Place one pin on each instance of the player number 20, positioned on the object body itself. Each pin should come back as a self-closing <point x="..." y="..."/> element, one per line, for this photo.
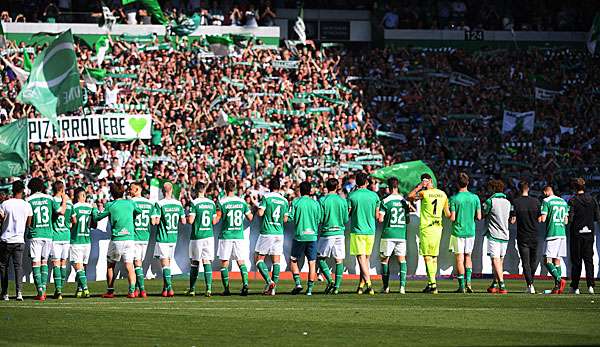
<point x="558" y="214"/>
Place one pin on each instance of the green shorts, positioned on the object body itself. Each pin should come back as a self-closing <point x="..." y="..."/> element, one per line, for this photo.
<point x="429" y="241"/>
<point x="361" y="244"/>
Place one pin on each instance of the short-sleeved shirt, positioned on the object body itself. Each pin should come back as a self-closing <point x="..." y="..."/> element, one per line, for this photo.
<point x="335" y="215"/>
<point x="122" y="213"/>
<point x="141" y="222"/>
<point x="465" y="206"/>
<point x="497" y="212"/>
<point x="16" y="212"/>
<point x="395" y="212"/>
<point x="306" y="214"/>
<point x="526" y="210"/>
<point x="61" y="223"/>
<point x="276" y="207"/>
<point x="42" y="206"/>
<point x="233" y="211"/>
<point x="433" y="203"/>
<point x="363" y="204"/>
<point x="204" y="210"/>
<point x="170" y="212"/>
<point x="80" y="232"/>
<point x="555" y="209"/>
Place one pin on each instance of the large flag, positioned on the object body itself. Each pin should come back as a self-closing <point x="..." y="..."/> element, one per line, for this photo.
<point x="299" y="27"/>
<point x="594" y="35"/>
<point x="53" y="85"/>
<point x="14" y="149"/>
<point x="2" y="38"/>
<point x="523" y="121"/>
<point x="408" y="174"/>
<point x="154" y="10"/>
<point x="220" y="45"/>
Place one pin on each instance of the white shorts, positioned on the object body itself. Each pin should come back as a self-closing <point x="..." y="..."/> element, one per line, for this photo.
<point x="39" y="249"/>
<point x="164" y="250"/>
<point x="269" y="245"/>
<point x="140" y="250"/>
<point x="120" y="250"/>
<point x="80" y="253"/>
<point x="332" y="246"/>
<point x="496" y="249"/>
<point x="203" y="249"/>
<point x="231" y="250"/>
<point x="461" y="245"/>
<point x="60" y="250"/>
<point x="556" y="248"/>
<point x="389" y="247"/>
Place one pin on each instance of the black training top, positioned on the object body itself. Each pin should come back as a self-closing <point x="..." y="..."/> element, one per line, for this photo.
<point x="583" y="210"/>
<point x="527" y="210"/>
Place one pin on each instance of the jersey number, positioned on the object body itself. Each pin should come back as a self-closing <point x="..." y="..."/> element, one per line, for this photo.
<point x="558" y="214"/>
<point x="172" y="221"/>
<point x="60" y="221"/>
<point x="235" y="218"/>
<point x="83" y="222"/>
<point x="397" y="217"/>
<point x="142" y="219"/>
<point x="434" y="203"/>
<point x="42" y="214"/>
<point x="276" y="213"/>
<point x="205" y="218"/>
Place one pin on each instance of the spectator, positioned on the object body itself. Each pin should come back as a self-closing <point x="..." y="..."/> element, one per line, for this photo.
<point x="267" y="17"/>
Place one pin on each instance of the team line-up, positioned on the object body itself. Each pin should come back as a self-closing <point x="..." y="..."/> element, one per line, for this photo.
<point x="59" y="230"/>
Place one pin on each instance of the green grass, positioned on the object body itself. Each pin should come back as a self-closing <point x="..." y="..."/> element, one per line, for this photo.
<point x="445" y="319"/>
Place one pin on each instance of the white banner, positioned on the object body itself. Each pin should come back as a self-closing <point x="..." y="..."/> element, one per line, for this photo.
<point x="546" y="94"/>
<point x="113" y="126"/>
<point x="523" y="120"/>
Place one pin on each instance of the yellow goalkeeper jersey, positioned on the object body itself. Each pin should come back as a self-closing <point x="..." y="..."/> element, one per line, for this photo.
<point x="433" y="203"/>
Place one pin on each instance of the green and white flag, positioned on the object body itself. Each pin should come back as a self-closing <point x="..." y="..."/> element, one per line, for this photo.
<point x="53" y="85"/>
<point x="408" y="174"/>
<point x="594" y="35"/>
<point x="2" y="38"/>
<point x="14" y="149"/>
<point x="220" y="45"/>
<point x="21" y="74"/>
<point x="299" y="27"/>
<point x="154" y="10"/>
<point x="523" y="121"/>
<point x="93" y="77"/>
<point x="102" y="45"/>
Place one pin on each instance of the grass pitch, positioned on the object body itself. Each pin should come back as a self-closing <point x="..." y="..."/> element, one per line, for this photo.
<point x="415" y="319"/>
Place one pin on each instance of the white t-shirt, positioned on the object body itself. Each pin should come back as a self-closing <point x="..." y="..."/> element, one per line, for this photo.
<point x="15" y="213"/>
<point x="110" y="95"/>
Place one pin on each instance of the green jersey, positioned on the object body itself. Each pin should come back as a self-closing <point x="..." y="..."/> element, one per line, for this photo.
<point x="555" y="209"/>
<point x="363" y="204"/>
<point x="233" y="209"/>
<point x="122" y="213"/>
<point x="205" y="211"/>
<point x="170" y="212"/>
<point x="43" y="209"/>
<point x="276" y="208"/>
<point x="61" y="223"/>
<point x="465" y="205"/>
<point x="335" y="215"/>
<point x="306" y="214"/>
<point x="395" y="217"/>
<point x="80" y="232"/>
<point x="141" y="223"/>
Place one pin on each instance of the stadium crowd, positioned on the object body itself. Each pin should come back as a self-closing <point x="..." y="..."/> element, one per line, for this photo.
<point x="402" y="95"/>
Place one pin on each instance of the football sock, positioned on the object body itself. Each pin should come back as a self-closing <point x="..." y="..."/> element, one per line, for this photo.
<point x="553" y="271"/>
<point x="559" y="270"/>
<point x="63" y="275"/>
<point x="167" y="277"/>
<point x="131" y="288"/>
<point x="468" y="272"/>
<point x="193" y="276"/>
<point x="57" y="278"/>
<point x="139" y="275"/>
<point x="244" y="270"/>
<point x="44" y="274"/>
<point x="276" y="270"/>
<point x="297" y="280"/>
<point x="403" y="274"/>
<point x="225" y="277"/>
<point x="77" y="281"/>
<point x="37" y="279"/>
<point x="461" y="281"/>
<point x="208" y="276"/>
<point x="263" y="270"/>
<point x="82" y="279"/>
<point x="385" y="274"/>
<point x="325" y="270"/>
<point x="431" y="266"/>
<point x="339" y="274"/>
<point x="310" y="286"/>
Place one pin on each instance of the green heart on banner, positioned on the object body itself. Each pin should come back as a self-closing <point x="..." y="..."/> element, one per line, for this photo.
<point x="137" y="124"/>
